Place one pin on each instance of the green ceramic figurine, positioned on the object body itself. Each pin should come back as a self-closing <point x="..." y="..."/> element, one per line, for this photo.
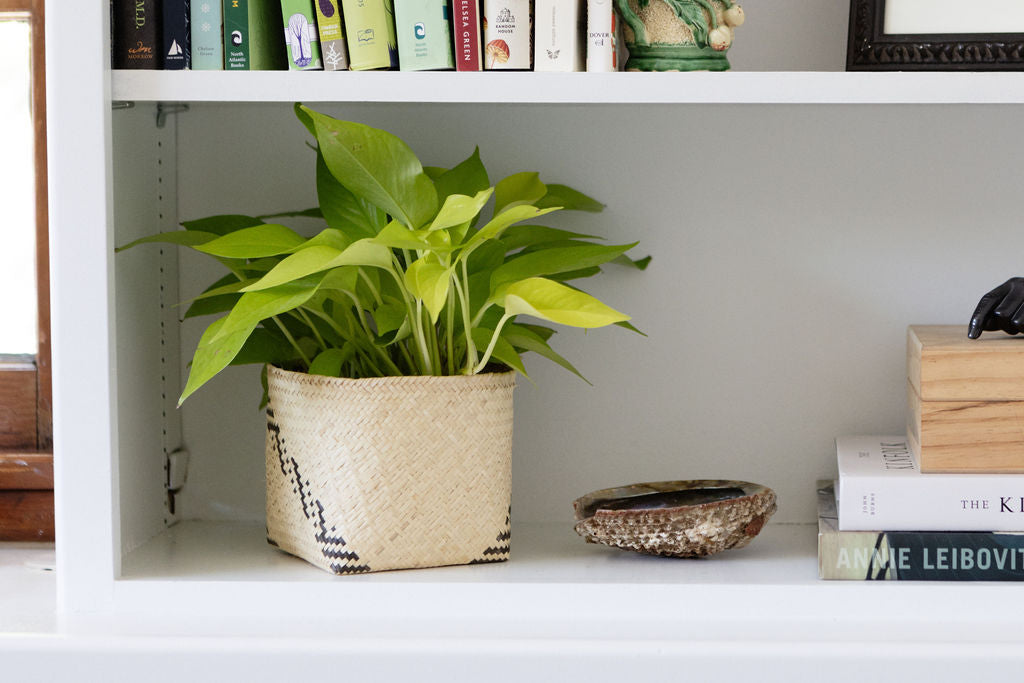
<point x="678" y="35"/>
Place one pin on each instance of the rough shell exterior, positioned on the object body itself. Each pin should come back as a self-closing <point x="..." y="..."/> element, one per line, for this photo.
<point x="686" y="531"/>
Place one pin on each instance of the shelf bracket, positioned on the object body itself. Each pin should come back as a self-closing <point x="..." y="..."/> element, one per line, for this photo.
<point x="163" y="109"/>
<point x="122" y="104"/>
<point x="177" y="473"/>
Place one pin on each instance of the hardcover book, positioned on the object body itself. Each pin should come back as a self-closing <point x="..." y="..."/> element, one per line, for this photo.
<point x="881" y="487"/>
<point x="177" y="39"/>
<point x="136" y="34"/>
<point x="302" y="40"/>
<point x="370" y="29"/>
<point x="913" y="555"/>
<point x="508" y="25"/>
<point x="424" y="35"/>
<point x="332" y="35"/>
<point x="207" y="46"/>
<point x="601" y="29"/>
<point x="560" y="35"/>
<point x="466" y="27"/>
<point x="252" y="35"/>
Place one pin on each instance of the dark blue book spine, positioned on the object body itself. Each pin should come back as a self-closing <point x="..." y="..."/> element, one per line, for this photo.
<point x="177" y="34"/>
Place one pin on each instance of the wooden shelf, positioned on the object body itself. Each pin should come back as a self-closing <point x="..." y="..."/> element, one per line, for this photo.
<point x="583" y="88"/>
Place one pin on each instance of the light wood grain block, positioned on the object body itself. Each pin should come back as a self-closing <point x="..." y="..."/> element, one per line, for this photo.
<point x="944" y="365"/>
<point x="966" y="436"/>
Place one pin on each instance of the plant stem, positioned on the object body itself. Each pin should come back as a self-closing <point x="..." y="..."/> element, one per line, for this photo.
<point x="291" y="340"/>
<point x="494" y="341"/>
<point x="449" y="332"/>
<point x="369" y="284"/>
<point x="316" y="332"/>
<point x="463" y="291"/>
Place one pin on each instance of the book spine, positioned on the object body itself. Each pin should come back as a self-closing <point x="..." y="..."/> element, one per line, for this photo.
<point x="601" y="49"/>
<point x="136" y="34"/>
<point x="370" y="28"/>
<point x="914" y="555"/>
<point x="424" y="35"/>
<point x="207" y="46"/>
<point x="508" y="30"/>
<point x="177" y="35"/>
<point x="466" y="19"/>
<point x="332" y="35"/>
<point x="903" y="499"/>
<point x="302" y="40"/>
<point x="236" y="35"/>
<point x="559" y="35"/>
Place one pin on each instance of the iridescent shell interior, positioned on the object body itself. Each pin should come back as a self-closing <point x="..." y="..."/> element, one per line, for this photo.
<point x="692" y="518"/>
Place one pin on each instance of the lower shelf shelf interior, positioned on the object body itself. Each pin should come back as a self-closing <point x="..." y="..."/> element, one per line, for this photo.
<point x="541" y="553"/>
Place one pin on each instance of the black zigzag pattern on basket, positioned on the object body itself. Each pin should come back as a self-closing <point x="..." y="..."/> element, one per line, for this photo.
<point x="330" y="545"/>
<point x="500" y="552"/>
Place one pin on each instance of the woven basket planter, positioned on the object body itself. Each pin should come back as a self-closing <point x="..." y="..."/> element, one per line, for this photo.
<point x="389" y="473"/>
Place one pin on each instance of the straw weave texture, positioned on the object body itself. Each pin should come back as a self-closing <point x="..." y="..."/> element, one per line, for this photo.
<point x="390" y="472"/>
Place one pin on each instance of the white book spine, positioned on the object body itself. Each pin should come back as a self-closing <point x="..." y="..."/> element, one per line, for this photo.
<point x="508" y="29"/>
<point x="601" y="54"/>
<point x="882" y="489"/>
<point x="559" y="35"/>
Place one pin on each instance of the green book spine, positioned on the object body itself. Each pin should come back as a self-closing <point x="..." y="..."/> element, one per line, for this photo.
<point x="253" y="35"/>
<point x="332" y="35"/>
<point x="424" y="35"/>
<point x="302" y="41"/>
<point x="370" y="27"/>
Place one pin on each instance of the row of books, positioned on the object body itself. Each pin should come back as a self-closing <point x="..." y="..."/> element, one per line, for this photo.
<point x="883" y="519"/>
<point x="413" y="35"/>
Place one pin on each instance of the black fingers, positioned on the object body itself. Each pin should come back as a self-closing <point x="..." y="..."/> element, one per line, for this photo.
<point x="1000" y="309"/>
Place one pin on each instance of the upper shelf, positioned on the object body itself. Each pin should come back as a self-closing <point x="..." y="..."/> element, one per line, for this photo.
<point x="597" y="88"/>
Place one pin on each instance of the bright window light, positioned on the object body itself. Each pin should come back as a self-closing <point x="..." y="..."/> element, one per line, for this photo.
<point x="17" y="190"/>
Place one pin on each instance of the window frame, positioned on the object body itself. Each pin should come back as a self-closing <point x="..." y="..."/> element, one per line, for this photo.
<point x="26" y="398"/>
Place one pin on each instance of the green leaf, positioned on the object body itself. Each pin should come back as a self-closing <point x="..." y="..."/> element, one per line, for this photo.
<point x="365" y="252"/>
<point x="302" y="114"/>
<point x="541" y="331"/>
<point x="330" y="361"/>
<point x="468" y="178"/>
<point x="692" y="14"/>
<point x="397" y="236"/>
<point x="215" y="351"/>
<point x="429" y="281"/>
<point x="575" y="274"/>
<point x="486" y="258"/>
<point x="218" y="297"/>
<point x="389" y="316"/>
<point x="459" y="209"/>
<point x="630" y="328"/>
<point x="328" y="237"/>
<point x="570" y="199"/>
<point x="377" y="166"/>
<point x="517" y="190"/>
<point x="556" y="260"/>
<point x="519" y="236"/>
<point x="434" y="172"/>
<point x="341" y="279"/>
<point x="342" y="210"/>
<point x="558" y="303"/>
<point x="223" y="224"/>
<point x="296" y="266"/>
<point x="524" y="338"/>
<point x="314" y="212"/>
<point x="507" y="218"/>
<point x="502" y="352"/>
<point x="185" y="238"/>
<point x="264" y="346"/>
<point x="268" y="239"/>
<point x="254" y="307"/>
<point x="639" y="264"/>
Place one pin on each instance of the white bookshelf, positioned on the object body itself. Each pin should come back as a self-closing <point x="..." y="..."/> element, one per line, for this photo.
<point x="794" y="235"/>
<point x="778" y="87"/>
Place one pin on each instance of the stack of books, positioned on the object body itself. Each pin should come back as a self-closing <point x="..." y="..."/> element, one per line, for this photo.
<point x="338" y="35"/>
<point x="945" y="501"/>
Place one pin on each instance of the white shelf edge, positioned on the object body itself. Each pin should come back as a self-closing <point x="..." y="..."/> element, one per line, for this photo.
<point x="568" y="88"/>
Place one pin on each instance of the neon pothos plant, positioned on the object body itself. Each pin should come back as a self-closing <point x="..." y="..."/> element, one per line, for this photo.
<point x="407" y="277"/>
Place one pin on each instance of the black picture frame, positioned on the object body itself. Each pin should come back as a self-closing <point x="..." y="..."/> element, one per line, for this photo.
<point x="871" y="49"/>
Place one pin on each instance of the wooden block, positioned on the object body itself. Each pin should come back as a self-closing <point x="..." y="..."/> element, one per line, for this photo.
<point x="26" y="471"/>
<point x="966" y="436"/>
<point x="944" y="365"/>
<point x="26" y="516"/>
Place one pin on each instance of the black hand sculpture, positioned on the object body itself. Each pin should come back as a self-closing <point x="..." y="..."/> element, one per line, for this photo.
<point x="1000" y="309"/>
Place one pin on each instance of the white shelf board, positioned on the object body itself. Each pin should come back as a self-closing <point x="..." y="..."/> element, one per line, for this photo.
<point x="557" y="586"/>
<point x="584" y="88"/>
